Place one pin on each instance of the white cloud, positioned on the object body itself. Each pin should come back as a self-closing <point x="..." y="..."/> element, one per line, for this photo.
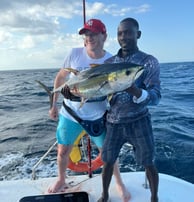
<point x="114" y="9"/>
<point x="4" y="36"/>
<point x="111" y="45"/>
<point x="95" y="8"/>
<point x="143" y="8"/>
<point x="21" y="21"/>
<point x="38" y="33"/>
<point x="44" y="15"/>
<point x="27" y="42"/>
<point x="30" y="52"/>
<point x="36" y="17"/>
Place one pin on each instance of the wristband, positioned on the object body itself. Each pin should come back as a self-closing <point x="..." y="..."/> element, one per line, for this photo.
<point x="143" y="96"/>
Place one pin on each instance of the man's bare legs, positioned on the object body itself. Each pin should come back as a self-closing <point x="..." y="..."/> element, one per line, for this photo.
<point x="106" y="179"/>
<point x="153" y="178"/>
<point x="107" y="173"/>
<point x="62" y="161"/>
<point x="123" y="192"/>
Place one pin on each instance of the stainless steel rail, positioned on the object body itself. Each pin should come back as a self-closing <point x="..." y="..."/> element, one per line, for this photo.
<point x="145" y="184"/>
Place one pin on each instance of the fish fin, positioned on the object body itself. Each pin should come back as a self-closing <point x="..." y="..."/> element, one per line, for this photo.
<point x="69" y="69"/>
<point x="94" y="65"/>
<point x="83" y="101"/>
<point x="109" y="97"/>
<point x="103" y="84"/>
<point x="50" y="93"/>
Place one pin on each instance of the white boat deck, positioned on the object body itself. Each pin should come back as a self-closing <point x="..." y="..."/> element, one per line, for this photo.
<point x="171" y="189"/>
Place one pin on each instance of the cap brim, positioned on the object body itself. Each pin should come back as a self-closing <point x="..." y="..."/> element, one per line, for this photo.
<point x="83" y="30"/>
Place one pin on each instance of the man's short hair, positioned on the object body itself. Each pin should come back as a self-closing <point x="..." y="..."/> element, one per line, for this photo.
<point x="132" y="20"/>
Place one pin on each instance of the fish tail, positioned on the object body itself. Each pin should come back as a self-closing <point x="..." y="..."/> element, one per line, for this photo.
<point x="50" y="93"/>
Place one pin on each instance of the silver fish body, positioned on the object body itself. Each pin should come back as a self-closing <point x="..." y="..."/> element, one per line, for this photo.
<point x="103" y="80"/>
<point x="99" y="81"/>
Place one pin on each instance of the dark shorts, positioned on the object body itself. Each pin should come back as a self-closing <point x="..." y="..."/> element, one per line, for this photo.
<point x="138" y="133"/>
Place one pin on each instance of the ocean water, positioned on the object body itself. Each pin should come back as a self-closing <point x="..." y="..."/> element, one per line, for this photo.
<point x="26" y="132"/>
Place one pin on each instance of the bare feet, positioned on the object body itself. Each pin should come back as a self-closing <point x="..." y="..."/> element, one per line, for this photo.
<point x="58" y="186"/>
<point x="123" y="192"/>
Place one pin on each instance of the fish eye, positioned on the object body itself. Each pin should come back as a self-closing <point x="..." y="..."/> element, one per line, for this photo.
<point x="128" y="72"/>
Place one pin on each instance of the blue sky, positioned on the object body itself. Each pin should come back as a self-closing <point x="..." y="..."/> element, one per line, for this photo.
<point x="39" y="33"/>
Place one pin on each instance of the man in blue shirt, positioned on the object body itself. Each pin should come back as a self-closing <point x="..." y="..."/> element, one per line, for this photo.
<point x="128" y="119"/>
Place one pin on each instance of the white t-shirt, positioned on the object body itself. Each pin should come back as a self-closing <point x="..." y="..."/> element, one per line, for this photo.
<point x="80" y="60"/>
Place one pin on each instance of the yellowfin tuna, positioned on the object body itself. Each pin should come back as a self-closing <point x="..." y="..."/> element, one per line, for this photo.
<point x="102" y="80"/>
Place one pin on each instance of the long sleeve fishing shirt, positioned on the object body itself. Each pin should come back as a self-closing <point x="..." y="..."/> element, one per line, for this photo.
<point x="124" y="107"/>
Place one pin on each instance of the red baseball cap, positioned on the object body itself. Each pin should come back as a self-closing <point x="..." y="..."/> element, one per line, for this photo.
<point x="93" y="25"/>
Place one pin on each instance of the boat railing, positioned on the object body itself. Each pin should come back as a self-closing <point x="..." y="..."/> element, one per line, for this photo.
<point x="145" y="184"/>
<point x="41" y="159"/>
<point x="83" y="149"/>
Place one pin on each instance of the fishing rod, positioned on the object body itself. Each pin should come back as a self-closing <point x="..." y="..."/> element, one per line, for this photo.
<point x="88" y="138"/>
<point x="84" y="11"/>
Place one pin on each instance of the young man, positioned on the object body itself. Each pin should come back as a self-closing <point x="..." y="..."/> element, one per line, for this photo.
<point x="128" y="119"/>
<point x="94" y="34"/>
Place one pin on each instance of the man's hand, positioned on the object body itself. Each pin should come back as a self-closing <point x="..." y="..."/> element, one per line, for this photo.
<point x="53" y="113"/>
<point x="65" y="91"/>
<point x="134" y="90"/>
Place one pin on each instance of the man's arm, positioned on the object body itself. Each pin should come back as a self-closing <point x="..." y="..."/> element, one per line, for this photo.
<point x="59" y="80"/>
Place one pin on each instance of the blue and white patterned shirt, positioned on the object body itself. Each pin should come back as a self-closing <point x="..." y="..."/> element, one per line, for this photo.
<point x="123" y="106"/>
